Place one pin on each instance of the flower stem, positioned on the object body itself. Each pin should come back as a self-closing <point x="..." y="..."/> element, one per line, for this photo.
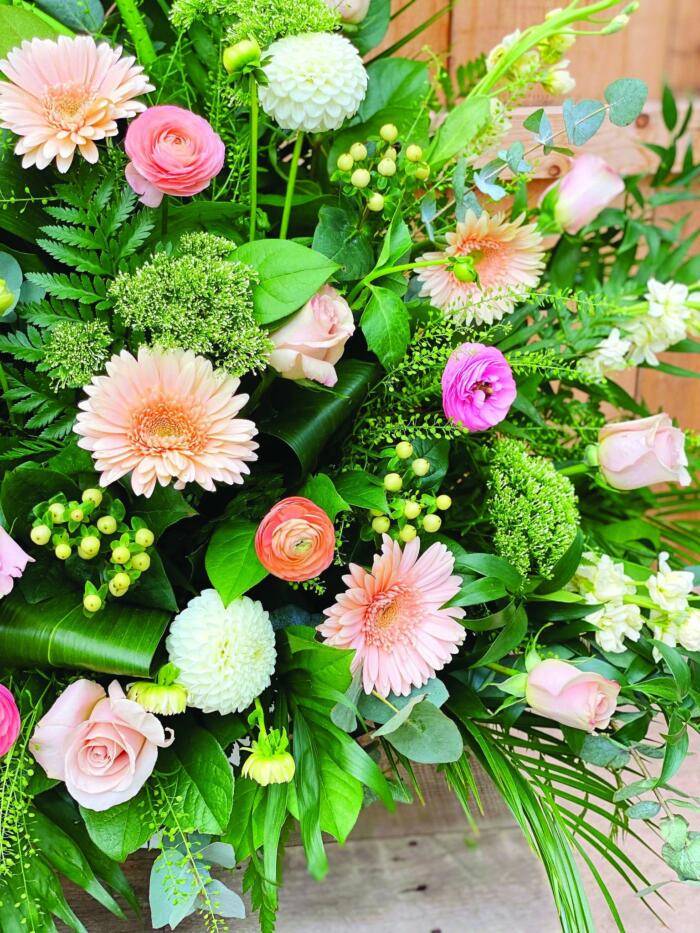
<point x="574" y="469"/>
<point x="136" y="28"/>
<point x="385" y="701"/>
<point x="253" y="157"/>
<point x="291" y="182"/>
<point x="164" y="216"/>
<point x="502" y="669"/>
<point x="388" y="270"/>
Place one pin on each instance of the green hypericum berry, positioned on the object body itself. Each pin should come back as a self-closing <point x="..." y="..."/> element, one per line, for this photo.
<point x="375" y="202"/>
<point x="119" y="584"/>
<point x="358" y="152"/>
<point x="387" y="167"/>
<point x="92" y="602"/>
<point x="443" y="502"/>
<point x="144" y="537"/>
<point x="57" y="511"/>
<point x="393" y="482"/>
<point x="141" y="562"/>
<point x="40" y="534"/>
<point x="404" y="450"/>
<point x="407" y="533"/>
<point x="360" y="178"/>
<point x="89" y="547"/>
<point x="423" y="172"/>
<point x="121" y="554"/>
<point x="107" y="524"/>
<point x="345" y="162"/>
<point x="63" y="551"/>
<point x="389" y="132"/>
<point x="381" y="524"/>
<point x="420" y="467"/>
<point x="431" y="523"/>
<point x="92" y="495"/>
<point x="76" y="515"/>
<point x="411" y="509"/>
<point x="414" y="153"/>
<point x="391" y="153"/>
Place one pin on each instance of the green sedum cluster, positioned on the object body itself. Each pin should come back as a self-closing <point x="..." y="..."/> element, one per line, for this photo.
<point x="264" y="20"/>
<point x="75" y="351"/>
<point x="532" y="507"/>
<point x="199" y="299"/>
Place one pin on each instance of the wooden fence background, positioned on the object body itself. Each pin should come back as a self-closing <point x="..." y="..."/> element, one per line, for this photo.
<point x="661" y="42"/>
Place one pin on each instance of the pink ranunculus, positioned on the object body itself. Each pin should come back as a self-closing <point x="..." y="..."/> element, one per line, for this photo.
<point x="10" y="722"/>
<point x="103" y="746"/>
<point x="580" y="699"/>
<point x="633" y="454"/>
<point x="13" y="560"/>
<point x="477" y="387"/>
<point x="295" y="541"/>
<point x="589" y="186"/>
<point x="350" y="11"/>
<point x="312" y="342"/>
<point x="172" y="151"/>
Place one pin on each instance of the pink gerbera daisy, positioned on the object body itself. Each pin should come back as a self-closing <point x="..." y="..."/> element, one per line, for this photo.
<point x="393" y="617"/>
<point x="67" y="94"/>
<point x="165" y="416"/>
<point x="507" y="262"/>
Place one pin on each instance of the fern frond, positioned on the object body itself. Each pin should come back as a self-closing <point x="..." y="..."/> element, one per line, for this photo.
<point x="75" y="236"/>
<point x="118" y="212"/>
<point x="72" y="287"/>
<point x="28" y="347"/>
<point x="82" y="260"/>
<point x="71" y="215"/>
<point x="133" y="235"/>
<point x="30" y="448"/>
<point x="49" y="312"/>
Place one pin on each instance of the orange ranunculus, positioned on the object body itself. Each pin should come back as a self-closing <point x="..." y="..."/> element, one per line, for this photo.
<point x="296" y="540"/>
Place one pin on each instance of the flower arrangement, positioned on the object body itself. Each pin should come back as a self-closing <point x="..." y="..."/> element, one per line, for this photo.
<point x="313" y="463"/>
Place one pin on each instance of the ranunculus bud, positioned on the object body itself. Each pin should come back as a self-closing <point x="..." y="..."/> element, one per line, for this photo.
<point x="241" y="55"/>
<point x="589" y="186"/>
<point x="7" y="299"/>
<point x="579" y="699"/>
<point x="477" y="387"/>
<point x="10" y="723"/>
<point x="634" y="454"/>
<point x="350" y="11"/>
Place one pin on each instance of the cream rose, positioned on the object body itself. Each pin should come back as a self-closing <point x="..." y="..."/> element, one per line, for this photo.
<point x="103" y="746"/>
<point x="562" y="692"/>
<point x="312" y="342"/>
<point x="633" y="454"/>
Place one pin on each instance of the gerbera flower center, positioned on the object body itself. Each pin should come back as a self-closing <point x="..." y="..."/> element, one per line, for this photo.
<point x="391" y="617"/>
<point x="67" y="105"/>
<point x="164" y="426"/>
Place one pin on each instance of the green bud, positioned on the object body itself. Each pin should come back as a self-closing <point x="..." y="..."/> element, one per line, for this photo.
<point x="345" y="162"/>
<point x="464" y="269"/>
<point x="141" y="562"/>
<point x="107" y="524"/>
<point x="387" y="167"/>
<point x="89" y="547"/>
<point x="358" y="152"/>
<point x="411" y="509"/>
<point x="63" y="551"/>
<point x="375" y="202"/>
<point x="92" y="495"/>
<point x="391" y="153"/>
<point x="423" y="172"/>
<point x="144" y="537"/>
<point x="420" y="467"/>
<point x="407" y="533"/>
<point x="381" y="524"/>
<point x="360" y="178"/>
<point x="414" y="153"/>
<point x="40" y="534"/>
<point x="393" y="482"/>
<point x="121" y="555"/>
<point x="76" y="515"/>
<point x="443" y="502"/>
<point x="389" y="132"/>
<point x="57" y="511"/>
<point x="92" y="602"/>
<point x="243" y="54"/>
<point x="431" y="523"/>
<point x="119" y="584"/>
<point x="404" y="450"/>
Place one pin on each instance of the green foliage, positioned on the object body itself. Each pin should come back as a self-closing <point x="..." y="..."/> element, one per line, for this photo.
<point x="232" y="564"/>
<point x="532" y="508"/>
<point x="266" y="20"/>
<point x="75" y="351"/>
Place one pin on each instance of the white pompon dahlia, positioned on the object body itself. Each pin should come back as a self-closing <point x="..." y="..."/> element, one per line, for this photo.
<point x="315" y="82"/>
<point x="226" y="654"/>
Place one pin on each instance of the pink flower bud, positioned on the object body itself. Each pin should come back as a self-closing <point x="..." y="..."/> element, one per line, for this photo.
<point x="575" y="698"/>
<point x="350" y="11"/>
<point x="589" y="186"/>
<point x="9" y="721"/>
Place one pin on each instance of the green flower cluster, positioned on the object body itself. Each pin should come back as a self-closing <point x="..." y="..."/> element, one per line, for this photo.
<point x="264" y="20"/>
<point x="532" y="507"/>
<point x="199" y="299"/>
<point x="75" y="351"/>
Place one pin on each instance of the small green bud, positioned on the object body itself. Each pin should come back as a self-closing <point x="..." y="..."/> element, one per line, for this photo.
<point x="411" y="509"/>
<point x="381" y="524"/>
<point x="40" y="534"/>
<point x="387" y="167"/>
<point x="407" y="533"/>
<point x="92" y="495"/>
<point x="420" y="467"/>
<point x="119" y="584"/>
<point x="89" y="547"/>
<point x="241" y="55"/>
<point x="414" y="153"/>
<point x="345" y="162"/>
<point x="404" y="450"/>
<point x="391" y="153"/>
<point x="423" y="172"/>
<point x="389" y="132"/>
<point x="358" y="152"/>
<point x="92" y="602"/>
<point x="76" y="515"/>
<point x="144" y="537"/>
<point x="393" y="482"/>
<point x="360" y="178"/>
<point x="57" y="511"/>
<point x="141" y="562"/>
<point x="375" y="202"/>
<point x="464" y="270"/>
<point x="107" y="524"/>
<point x="121" y="555"/>
<point x="432" y="523"/>
<point x="63" y="551"/>
<point x="7" y="299"/>
<point x="443" y="502"/>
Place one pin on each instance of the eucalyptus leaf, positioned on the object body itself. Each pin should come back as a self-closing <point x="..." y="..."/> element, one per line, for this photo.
<point x="375" y="709"/>
<point x="82" y="15"/>
<point x="428" y="736"/>
<point x="644" y="810"/>
<point x="626" y="98"/>
<point x="582" y="120"/>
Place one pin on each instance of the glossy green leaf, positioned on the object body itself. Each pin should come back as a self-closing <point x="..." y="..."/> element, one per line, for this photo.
<point x="373" y="27"/>
<point x="163" y="508"/>
<point x="231" y="562"/>
<point x="362" y="490"/>
<point x="122" y="829"/>
<point x="461" y="126"/>
<point x="18" y="24"/>
<point x="321" y="490"/>
<point x="337" y="237"/>
<point x="507" y="639"/>
<point x="386" y="326"/>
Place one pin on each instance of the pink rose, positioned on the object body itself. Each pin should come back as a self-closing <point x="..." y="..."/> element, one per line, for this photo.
<point x="312" y="342"/>
<point x="103" y="747"/>
<point x="632" y="454"/>
<point x="589" y="186"/>
<point x="10" y="723"/>
<point x="13" y="560"/>
<point x="477" y="387"/>
<point x="350" y="11"/>
<point x="580" y="699"/>
<point x="172" y="151"/>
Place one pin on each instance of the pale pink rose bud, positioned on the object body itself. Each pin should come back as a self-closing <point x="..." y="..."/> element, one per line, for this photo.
<point x="312" y="342"/>
<point x="350" y="11"/>
<point x="589" y="186"/>
<point x="633" y="454"/>
<point x="579" y="699"/>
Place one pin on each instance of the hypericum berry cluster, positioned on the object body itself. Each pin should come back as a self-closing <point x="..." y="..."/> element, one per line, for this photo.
<point x="377" y="170"/>
<point x="94" y="530"/>
<point x="411" y="510"/>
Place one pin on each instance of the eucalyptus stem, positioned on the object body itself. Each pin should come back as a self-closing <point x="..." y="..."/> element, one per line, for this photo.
<point x="386" y="702"/>
<point x="136" y="28"/>
<point x="253" y="157"/>
<point x="291" y="182"/>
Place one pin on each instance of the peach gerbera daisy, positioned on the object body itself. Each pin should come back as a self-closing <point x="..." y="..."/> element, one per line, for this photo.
<point x="163" y="416"/>
<point x="67" y="94"/>
<point x="508" y="262"/>
<point x="393" y="617"/>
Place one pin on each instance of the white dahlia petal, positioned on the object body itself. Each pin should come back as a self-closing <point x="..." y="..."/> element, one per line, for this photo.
<point x="315" y="82"/>
<point x="226" y="654"/>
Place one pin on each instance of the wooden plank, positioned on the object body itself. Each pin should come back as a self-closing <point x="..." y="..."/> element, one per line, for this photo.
<point x="682" y="64"/>
<point x="436" y="37"/>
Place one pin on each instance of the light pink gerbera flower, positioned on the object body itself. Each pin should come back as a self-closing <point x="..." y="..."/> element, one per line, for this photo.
<point x="165" y="416"/>
<point x="67" y="94"/>
<point x="392" y="617"/>
<point x="507" y="258"/>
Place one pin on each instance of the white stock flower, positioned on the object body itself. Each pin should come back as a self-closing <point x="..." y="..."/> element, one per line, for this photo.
<point x="226" y="654"/>
<point x="615" y="622"/>
<point x="667" y="298"/>
<point x="664" y="324"/>
<point x="663" y="629"/>
<point x="599" y="579"/>
<point x="498" y="51"/>
<point x="315" y="82"/>
<point x="669" y="589"/>
<point x="689" y="630"/>
<point x="609" y="356"/>
<point x="558" y="80"/>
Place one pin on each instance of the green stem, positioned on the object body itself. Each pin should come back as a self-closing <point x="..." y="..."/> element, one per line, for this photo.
<point x="502" y="669"/>
<point x="253" y="157"/>
<point x="291" y="182"/>
<point x="136" y="28"/>
<point x="385" y="701"/>
<point x="388" y="270"/>
<point x="164" y="216"/>
<point x="574" y="469"/>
